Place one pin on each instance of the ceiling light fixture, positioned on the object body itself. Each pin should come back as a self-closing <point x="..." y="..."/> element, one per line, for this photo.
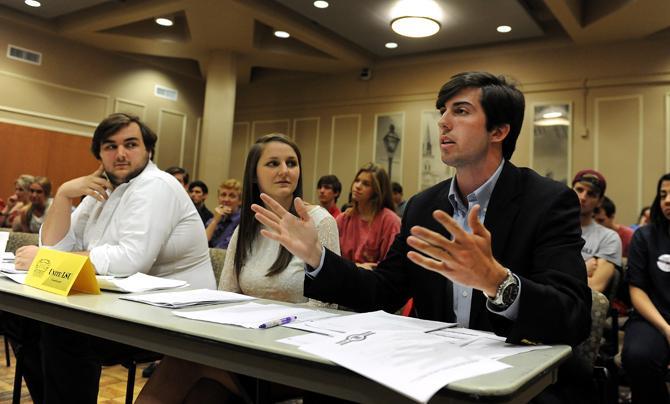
<point x="391" y="45"/>
<point x="282" y="34"/>
<point x="166" y="22"/>
<point x="416" y="18"/>
<point x="33" y="3"/>
<point x="321" y="4"/>
<point x="551" y="115"/>
<point x="503" y="29"/>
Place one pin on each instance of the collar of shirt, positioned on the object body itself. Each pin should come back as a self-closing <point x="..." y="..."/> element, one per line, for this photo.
<point x="480" y="196"/>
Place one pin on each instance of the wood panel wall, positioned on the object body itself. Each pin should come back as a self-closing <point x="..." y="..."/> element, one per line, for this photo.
<point x="58" y="156"/>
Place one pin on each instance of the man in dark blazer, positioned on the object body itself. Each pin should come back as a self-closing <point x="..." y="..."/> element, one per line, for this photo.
<point x="525" y="256"/>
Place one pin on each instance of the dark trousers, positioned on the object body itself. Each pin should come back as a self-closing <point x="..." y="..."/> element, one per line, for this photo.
<point x="645" y="358"/>
<point x="24" y="337"/>
<point x="72" y="363"/>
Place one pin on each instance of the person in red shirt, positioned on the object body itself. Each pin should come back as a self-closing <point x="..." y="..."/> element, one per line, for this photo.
<point x="368" y="228"/>
<point x="329" y="189"/>
<point x="604" y="215"/>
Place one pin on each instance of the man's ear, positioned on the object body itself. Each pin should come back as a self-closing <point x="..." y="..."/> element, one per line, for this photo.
<point x="499" y="133"/>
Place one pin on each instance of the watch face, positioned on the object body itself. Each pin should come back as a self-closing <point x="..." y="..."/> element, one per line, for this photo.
<point x="510" y="293"/>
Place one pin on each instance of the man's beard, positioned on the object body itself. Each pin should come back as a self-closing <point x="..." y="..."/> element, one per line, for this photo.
<point x="116" y="181"/>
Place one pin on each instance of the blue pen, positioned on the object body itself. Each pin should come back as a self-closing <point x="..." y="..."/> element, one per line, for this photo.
<point x="280" y="321"/>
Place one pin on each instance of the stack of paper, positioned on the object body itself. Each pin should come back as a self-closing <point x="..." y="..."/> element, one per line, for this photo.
<point x="186" y="298"/>
<point x="254" y="315"/>
<point x="138" y="282"/>
<point x="4" y="237"/>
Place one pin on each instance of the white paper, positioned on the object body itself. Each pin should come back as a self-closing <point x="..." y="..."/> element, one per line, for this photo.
<point x="412" y="363"/>
<point x="4" y="237"/>
<point x="9" y="268"/>
<point x="304" y="339"/>
<point x="186" y="298"/>
<point x="6" y="256"/>
<point x="248" y="315"/>
<point x="372" y="321"/>
<point x="18" y="278"/>
<point x="138" y="282"/>
<point x="484" y="343"/>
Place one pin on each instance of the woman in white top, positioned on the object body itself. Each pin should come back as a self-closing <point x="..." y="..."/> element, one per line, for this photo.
<point x="254" y="265"/>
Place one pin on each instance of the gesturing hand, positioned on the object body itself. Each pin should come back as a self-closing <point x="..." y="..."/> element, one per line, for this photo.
<point x="223" y="211"/>
<point x="296" y="234"/>
<point x="466" y="259"/>
<point x="93" y="185"/>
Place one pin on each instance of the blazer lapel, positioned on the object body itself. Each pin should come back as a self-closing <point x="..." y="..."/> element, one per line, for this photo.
<point x="501" y="212"/>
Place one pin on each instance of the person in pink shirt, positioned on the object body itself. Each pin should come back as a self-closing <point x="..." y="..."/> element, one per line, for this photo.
<point x="368" y="228"/>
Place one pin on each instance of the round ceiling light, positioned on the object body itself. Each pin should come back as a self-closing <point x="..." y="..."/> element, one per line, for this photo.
<point x="416" y="18"/>
<point x="282" y="34"/>
<point x="551" y="115"/>
<point x="503" y="29"/>
<point x="321" y="4"/>
<point x="33" y="3"/>
<point x="415" y="27"/>
<point x="391" y="45"/>
<point x="166" y="22"/>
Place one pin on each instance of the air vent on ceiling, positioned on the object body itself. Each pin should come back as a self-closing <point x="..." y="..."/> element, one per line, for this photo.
<point x="167" y="93"/>
<point x="24" y="55"/>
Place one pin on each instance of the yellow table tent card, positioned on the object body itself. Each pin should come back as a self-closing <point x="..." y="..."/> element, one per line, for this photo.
<point x="60" y="272"/>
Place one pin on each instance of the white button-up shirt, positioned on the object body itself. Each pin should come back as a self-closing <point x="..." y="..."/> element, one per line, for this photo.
<point x="148" y="225"/>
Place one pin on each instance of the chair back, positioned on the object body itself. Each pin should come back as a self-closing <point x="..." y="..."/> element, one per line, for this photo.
<point x="588" y="349"/>
<point x="18" y="239"/>
<point x="217" y="255"/>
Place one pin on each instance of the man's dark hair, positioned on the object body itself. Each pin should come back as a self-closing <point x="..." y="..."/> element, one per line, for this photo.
<point x="502" y="102"/>
<point x="114" y="123"/>
<point x="331" y="181"/>
<point x="657" y="218"/>
<point x="198" y="184"/>
<point x="178" y="170"/>
<point x="608" y="207"/>
<point x="396" y="188"/>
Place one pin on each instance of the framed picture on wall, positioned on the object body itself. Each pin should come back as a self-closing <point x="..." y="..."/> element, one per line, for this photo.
<point x="552" y="125"/>
<point x="432" y="170"/>
<point x="389" y="128"/>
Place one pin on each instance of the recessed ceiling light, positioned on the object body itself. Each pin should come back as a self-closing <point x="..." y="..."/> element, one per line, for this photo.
<point x="166" y="22"/>
<point x="391" y="45"/>
<point x="321" y="4"/>
<point x="282" y="34"/>
<point x="416" y="18"/>
<point x="503" y="29"/>
<point x="33" y="3"/>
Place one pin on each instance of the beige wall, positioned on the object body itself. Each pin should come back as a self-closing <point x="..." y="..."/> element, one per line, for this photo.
<point x="77" y="86"/>
<point x="618" y="93"/>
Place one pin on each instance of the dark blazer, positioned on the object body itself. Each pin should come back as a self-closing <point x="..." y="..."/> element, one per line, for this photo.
<point x="535" y="232"/>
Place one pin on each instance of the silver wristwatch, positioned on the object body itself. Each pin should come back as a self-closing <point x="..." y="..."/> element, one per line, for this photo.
<point x="506" y="293"/>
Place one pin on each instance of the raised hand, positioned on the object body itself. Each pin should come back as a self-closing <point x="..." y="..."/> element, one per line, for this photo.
<point x="93" y="185"/>
<point x="222" y="211"/>
<point x="466" y="259"/>
<point x="296" y="233"/>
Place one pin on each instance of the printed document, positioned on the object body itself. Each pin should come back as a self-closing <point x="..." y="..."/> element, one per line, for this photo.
<point x="187" y="298"/>
<point x="138" y="282"/>
<point x="415" y="364"/>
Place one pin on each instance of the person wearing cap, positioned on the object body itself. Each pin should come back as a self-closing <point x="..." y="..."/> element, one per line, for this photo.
<point x="602" y="246"/>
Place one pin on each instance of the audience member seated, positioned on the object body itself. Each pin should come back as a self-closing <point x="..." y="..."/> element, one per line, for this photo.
<point x="646" y="353"/>
<point x="604" y="215"/>
<point x="329" y="188"/>
<point x="643" y="219"/>
<point x="198" y="191"/>
<point x="254" y="265"/>
<point x="32" y="215"/>
<point x="226" y="216"/>
<point x="368" y="228"/>
<point x="180" y="174"/>
<point x="17" y="201"/>
<point x="137" y="219"/>
<point x="398" y="200"/>
<point x="602" y="246"/>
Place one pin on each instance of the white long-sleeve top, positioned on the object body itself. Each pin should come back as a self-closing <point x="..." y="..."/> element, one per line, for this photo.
<point x="148" y="225"/>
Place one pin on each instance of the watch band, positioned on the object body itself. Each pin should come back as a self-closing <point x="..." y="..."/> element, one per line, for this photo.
<point x="510" y="282"/>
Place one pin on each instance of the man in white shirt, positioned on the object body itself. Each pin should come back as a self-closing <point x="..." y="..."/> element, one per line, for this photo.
<point x="135" y="218"/>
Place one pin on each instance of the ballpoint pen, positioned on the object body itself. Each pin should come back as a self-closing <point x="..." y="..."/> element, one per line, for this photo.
<point x="281" y="321"/>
